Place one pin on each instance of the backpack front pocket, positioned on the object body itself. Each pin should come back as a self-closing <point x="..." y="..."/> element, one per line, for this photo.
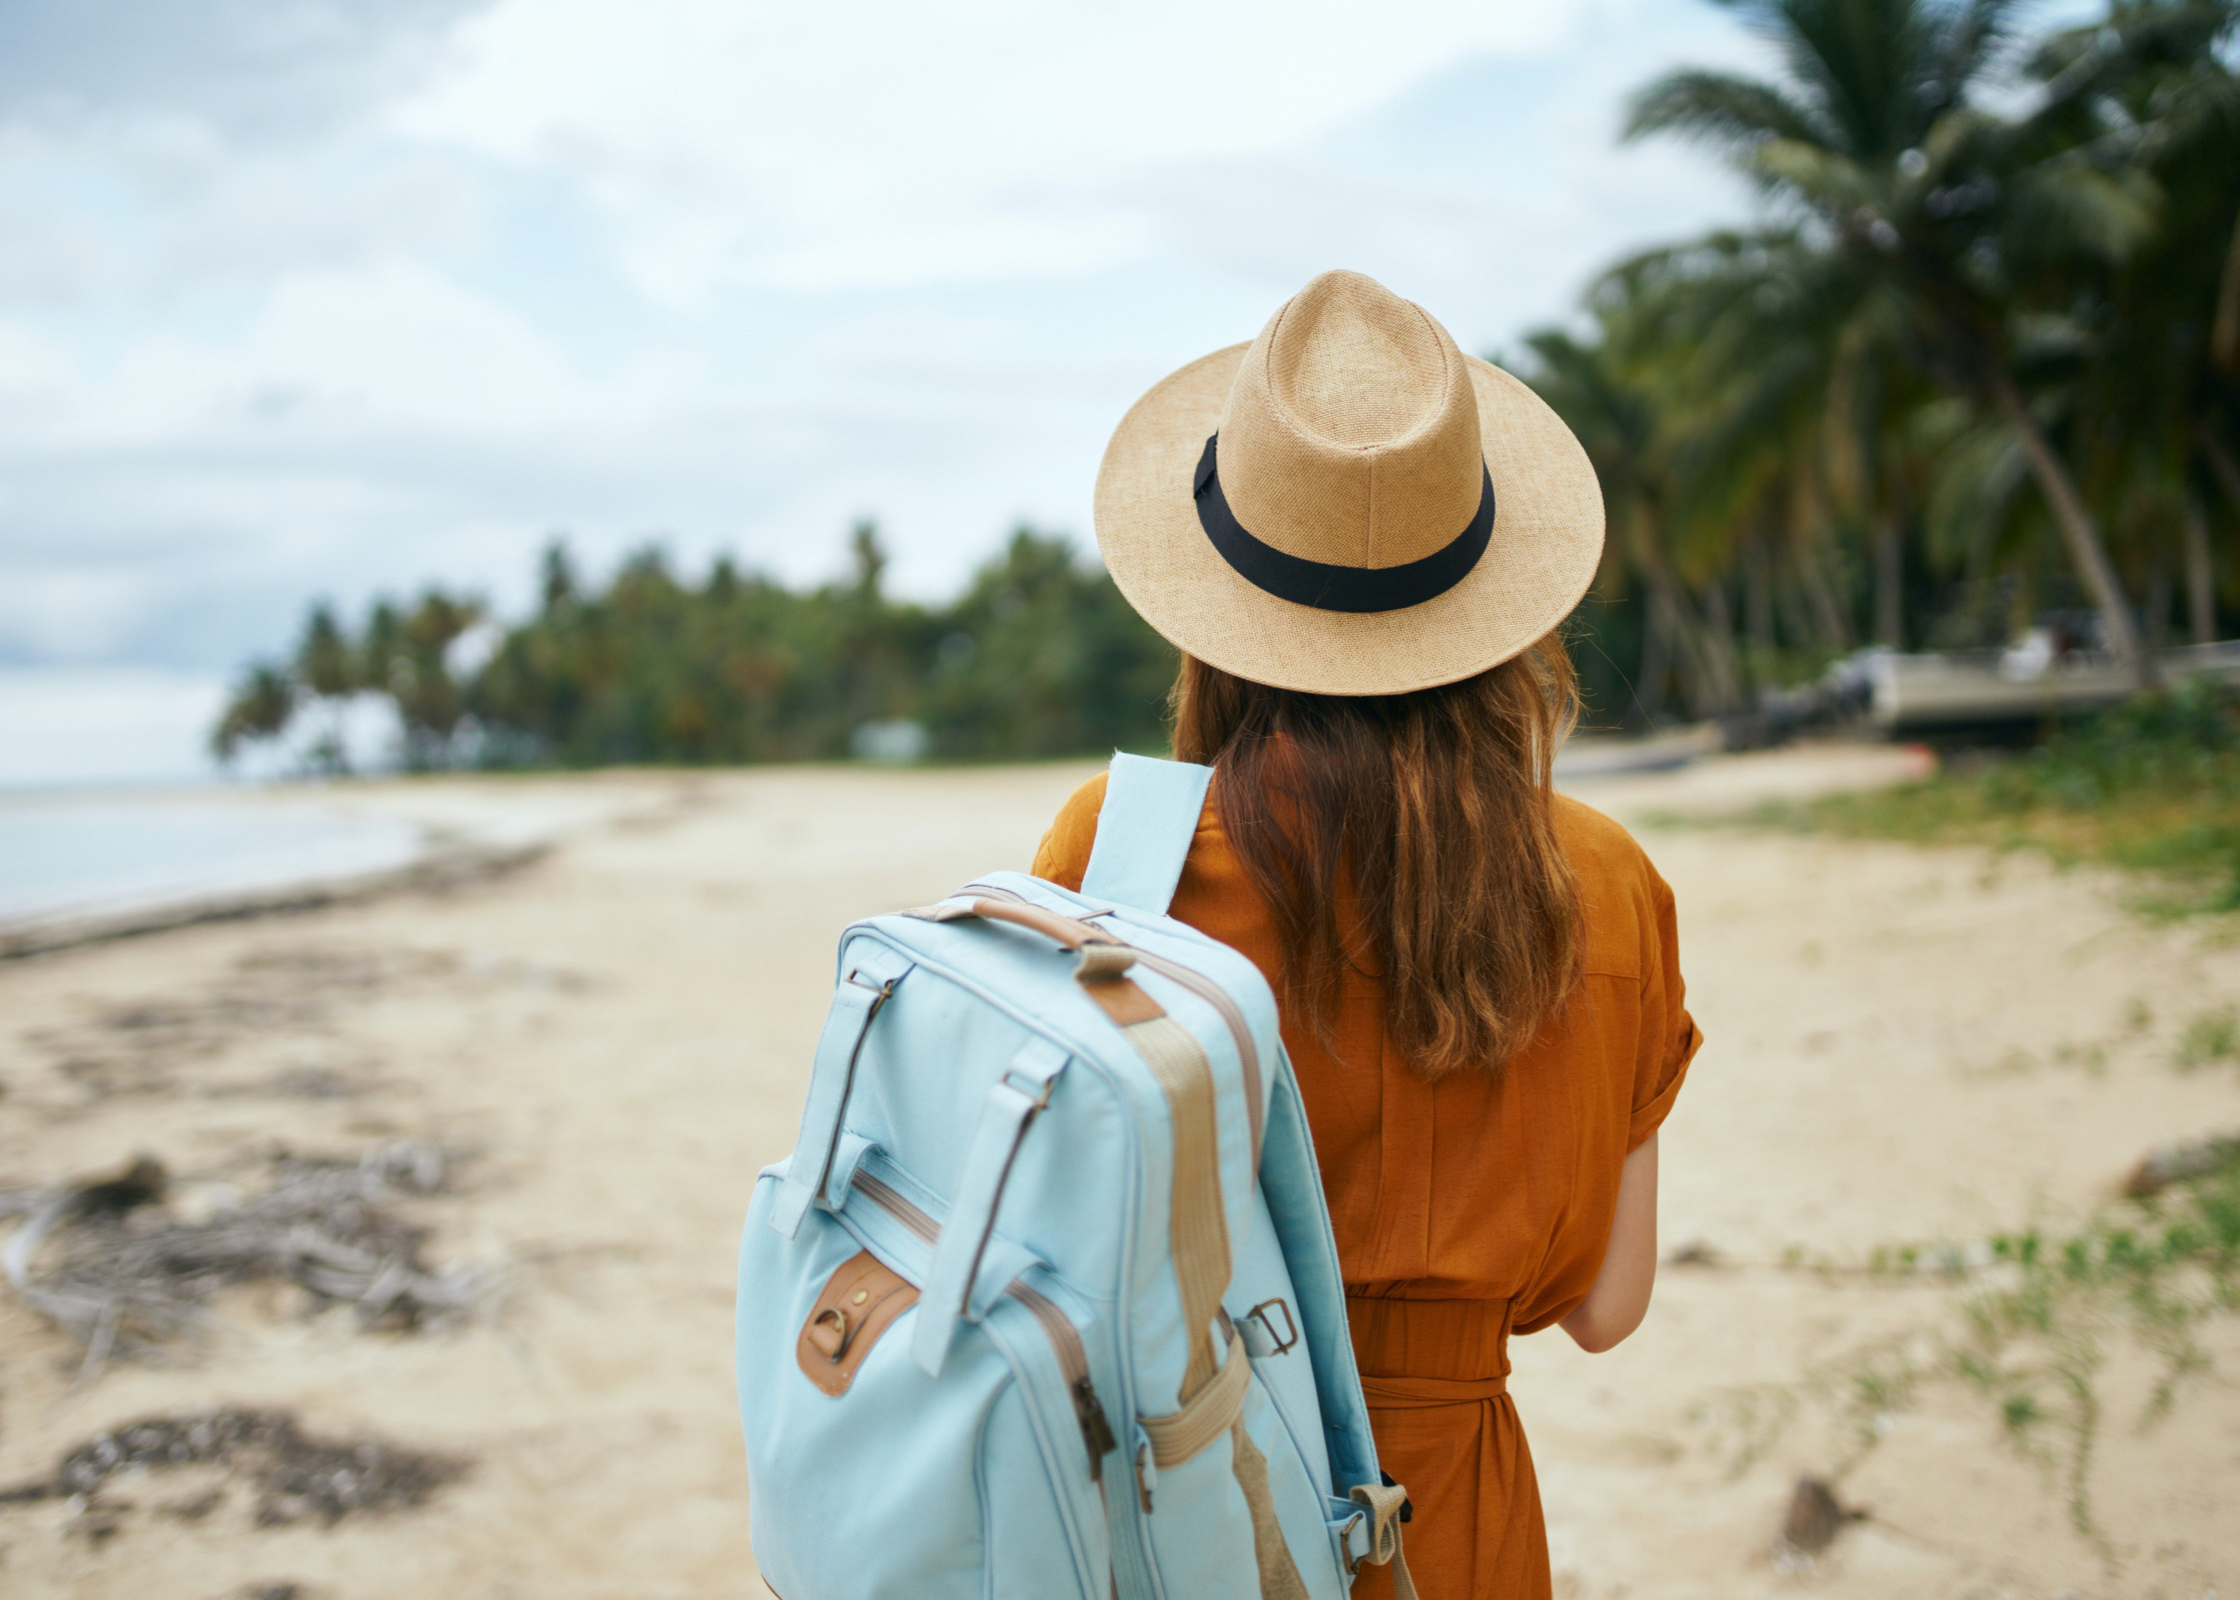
<point x="891" y="1483"/>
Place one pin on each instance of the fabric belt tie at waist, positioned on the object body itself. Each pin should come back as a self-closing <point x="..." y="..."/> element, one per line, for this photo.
<point x="1402" y="1394"/>
<point x="1418" y="1353"/>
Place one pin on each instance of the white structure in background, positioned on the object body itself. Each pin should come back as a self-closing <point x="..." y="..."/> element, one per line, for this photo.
<point x="2032" y="679"/>
<point x="2030" y="657"/>
<point x="891" y="744"/>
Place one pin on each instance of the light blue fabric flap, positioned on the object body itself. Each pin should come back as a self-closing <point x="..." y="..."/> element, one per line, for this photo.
<point x="861" y="994"/>
<point x="1012" y="1102"/>
<point x="1151" y="810"/>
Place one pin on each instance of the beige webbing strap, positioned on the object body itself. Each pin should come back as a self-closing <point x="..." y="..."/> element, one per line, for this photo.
<point x="1205" y="1417"/>
<point x="1382" y="1503"/>
<point x="1198" y="1230"/>
<point x="1279" y="1574"/>
<point x="1213" y="1388"/>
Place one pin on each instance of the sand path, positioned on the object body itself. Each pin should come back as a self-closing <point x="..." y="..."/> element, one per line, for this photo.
<point x="617" y="1037"/>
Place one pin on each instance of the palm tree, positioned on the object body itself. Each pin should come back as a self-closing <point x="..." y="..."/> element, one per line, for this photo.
<point x="1936" y="215"/>
<point x="325" y="668"/>
<point x="260" y="708"/>
<point x="1755" y="342"/>
<point x="1610" y="406"/>
<point x="2155" y="395"/>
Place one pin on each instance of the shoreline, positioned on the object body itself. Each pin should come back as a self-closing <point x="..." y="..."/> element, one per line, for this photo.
<point x="605" y="1044"/>
<point x="455" y="850"/>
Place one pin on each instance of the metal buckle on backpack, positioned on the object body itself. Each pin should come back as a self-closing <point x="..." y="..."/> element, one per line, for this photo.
<point x="1346" y="1531"/>
<point x="1280" y="1342"/>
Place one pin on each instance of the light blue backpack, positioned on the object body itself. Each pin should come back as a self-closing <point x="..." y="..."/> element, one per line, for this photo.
<point x="1016" y="1322"/>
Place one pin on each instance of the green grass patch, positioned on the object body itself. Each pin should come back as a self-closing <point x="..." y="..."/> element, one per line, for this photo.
<point x="2152" y="786"/>
<point x="2151" y="1269"/>
<point x="2210" y="1039"/>
<point x="2037" y="1315"/>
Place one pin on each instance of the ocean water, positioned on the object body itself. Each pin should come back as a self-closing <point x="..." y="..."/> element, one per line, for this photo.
<point x="76" y="856"/>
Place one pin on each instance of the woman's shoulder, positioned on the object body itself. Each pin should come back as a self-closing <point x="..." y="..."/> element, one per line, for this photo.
<point x="1064" y="853"/>
<point x="1624" y="900"/>
<point x="1595" y="842"/>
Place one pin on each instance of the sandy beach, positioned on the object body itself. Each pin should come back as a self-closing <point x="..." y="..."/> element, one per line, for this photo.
<point x="1906" y="1048"/>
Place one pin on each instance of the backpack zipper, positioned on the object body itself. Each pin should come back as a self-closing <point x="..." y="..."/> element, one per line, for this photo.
<point x="1057" y="1327"/>
<point x="1198" y="984"/>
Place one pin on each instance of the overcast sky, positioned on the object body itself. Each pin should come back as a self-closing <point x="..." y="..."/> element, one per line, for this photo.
<point x="314" y="297"/>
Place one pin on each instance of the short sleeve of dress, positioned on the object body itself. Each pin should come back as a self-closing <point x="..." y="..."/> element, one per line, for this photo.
<point x="1064" y="854"/>
<point x="1669" y="1038"/>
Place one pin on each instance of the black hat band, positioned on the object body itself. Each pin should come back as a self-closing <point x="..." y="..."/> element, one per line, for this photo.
<point x="1325" y="585"/>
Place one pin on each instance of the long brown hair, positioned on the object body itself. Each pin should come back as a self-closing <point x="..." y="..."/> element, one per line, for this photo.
<point x="1431" y="814"/>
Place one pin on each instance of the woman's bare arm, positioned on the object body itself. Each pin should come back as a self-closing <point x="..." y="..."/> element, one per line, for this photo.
<point x="1619" y="1299"/>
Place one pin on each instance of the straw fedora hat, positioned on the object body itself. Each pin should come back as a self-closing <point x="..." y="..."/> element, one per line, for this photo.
<point x="1349" y="504"/>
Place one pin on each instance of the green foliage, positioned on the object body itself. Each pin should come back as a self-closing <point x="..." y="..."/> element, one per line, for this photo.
<point x="2039" y="1313"/>
<point x="1981" y="357"/>
<point x="1977" y="358"/>
<point x="1039" y="657"/>
<point x="2210" y="1039"/>
<point x="2153" y="786"/>
<point x="2151" y="1268"/>
<point x="261" y="706"/>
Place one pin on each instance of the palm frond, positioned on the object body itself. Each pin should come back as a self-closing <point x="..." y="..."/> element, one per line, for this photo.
<point x="1730" y="113"/>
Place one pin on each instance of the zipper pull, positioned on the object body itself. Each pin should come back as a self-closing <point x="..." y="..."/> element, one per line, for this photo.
<point x="1147" y="1470"/>
<point x="1096" y="1428"/>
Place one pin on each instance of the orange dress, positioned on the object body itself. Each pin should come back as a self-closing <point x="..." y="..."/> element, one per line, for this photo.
<point x="1469" y="1208"/>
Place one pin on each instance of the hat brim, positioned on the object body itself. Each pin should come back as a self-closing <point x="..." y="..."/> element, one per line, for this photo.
<point x="1545" y="548"/>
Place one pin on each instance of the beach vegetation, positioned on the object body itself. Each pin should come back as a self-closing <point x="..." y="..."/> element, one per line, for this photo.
<point x="1974" y="365"/>
<point x="1968" y="372"/>
<point x="2209" y="1039"/>
<point x="1039" y="657"/>
<point x="2152" y="786"/>
<point x="2039" y="1317"/>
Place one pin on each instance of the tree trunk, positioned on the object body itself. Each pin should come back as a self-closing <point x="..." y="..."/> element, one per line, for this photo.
<point x="1656" y="660"/>
<point x="2079" y="532"/>
<point x="1792" y="609"/>
<point x="2224" y="328"/>
<point x="1889" y="582"/>
<point x="2201" y="573"/>
<point x="1683" y="632"/>
<point x="1827" y="607"/>
<point x="1828" y="613"/>
<point x="1656" y="621"/>
<point x="1757" y="596"/>
<point x="2221" y="466"/>
<point x="1669" y="609"/>
<point x="1722" y="661"/>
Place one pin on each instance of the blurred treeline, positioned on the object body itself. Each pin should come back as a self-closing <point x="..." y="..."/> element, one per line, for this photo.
<point x="1978" y="364"/>
<point x="1977" y="367"/>
<point x="1038" y="657"/>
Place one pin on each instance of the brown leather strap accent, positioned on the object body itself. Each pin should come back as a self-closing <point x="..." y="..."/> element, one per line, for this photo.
<point x="857" y="1304"/>
<point x="1070" y="934"/>
<point x="1104" y="959"/>
<point x="1124" y="1001"/>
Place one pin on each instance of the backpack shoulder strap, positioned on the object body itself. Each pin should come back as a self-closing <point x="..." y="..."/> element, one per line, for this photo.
<point x="1151" y="810"/>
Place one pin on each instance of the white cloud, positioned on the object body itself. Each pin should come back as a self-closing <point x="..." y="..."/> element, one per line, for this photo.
<point x="731" y="275"/>
<point x="272" y="68"/>
<point x="890" y="142"/>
